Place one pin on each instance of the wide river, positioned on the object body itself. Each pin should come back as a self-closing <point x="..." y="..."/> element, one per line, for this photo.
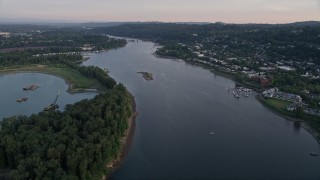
<point x="190" y="127"/>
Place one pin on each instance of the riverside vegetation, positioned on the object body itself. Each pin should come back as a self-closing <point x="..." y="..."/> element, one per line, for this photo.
<point x="77" y="143"/>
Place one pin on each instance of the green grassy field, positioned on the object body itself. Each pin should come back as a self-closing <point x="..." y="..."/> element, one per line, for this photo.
<point x="278" y="104"/>
<point x="77" y="81"/>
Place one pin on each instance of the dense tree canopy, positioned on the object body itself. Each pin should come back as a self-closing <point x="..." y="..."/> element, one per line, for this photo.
<point x="76" y="143"/>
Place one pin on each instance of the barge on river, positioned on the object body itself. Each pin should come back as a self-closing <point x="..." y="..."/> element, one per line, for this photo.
<point x="54" y="105"/>
<point x="31" y="87"/>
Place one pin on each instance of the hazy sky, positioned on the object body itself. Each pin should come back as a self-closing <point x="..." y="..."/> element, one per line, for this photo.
<point x="230" y="11"/>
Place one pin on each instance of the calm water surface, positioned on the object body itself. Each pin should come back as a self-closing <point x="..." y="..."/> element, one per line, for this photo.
<point x="11" y="89"/>
<point x="179" y="109"/>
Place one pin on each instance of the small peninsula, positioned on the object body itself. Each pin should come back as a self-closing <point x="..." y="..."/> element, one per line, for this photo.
<point x="146" y="75"/>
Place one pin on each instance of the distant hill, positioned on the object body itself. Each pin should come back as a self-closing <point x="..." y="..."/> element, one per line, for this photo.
<point x="306" y="23"/>
<point x="68" y="23"/>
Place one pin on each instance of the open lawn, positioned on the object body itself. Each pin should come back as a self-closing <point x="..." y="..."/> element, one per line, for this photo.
<point x="277" y="103"/>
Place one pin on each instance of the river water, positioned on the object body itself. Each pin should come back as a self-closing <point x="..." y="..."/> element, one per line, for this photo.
<point x="180" y="108"/>
<point x="11" y="89"/>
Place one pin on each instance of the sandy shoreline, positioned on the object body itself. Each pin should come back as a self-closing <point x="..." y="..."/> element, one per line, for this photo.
<point x="125" y="141"/>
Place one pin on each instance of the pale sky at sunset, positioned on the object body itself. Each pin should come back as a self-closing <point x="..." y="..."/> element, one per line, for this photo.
<point x="229" y="11"/>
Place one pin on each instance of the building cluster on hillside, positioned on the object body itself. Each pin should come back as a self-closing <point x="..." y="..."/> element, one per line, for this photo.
<point x="5" y="34"/>
<point x="218" y="51"/>
<point x="311" y="111"/>
<point x="294" y="106"/>
<point x="87" y="47"/>
<point x="54" y="54"/>
<point x="228" y="64"/>
<point x="295" y="99"/>
<point x="275" y="93"/>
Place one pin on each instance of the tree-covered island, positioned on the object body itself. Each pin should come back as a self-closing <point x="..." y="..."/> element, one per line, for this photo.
<point x="79" y="142"/>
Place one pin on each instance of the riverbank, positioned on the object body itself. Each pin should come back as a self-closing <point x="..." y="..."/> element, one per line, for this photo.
<point x="126" y="141"/>
<point x="165" y="57"/>
<point x="303" y="122"/>
<point x="213" y="70"/>
<point x="77" y="83"/>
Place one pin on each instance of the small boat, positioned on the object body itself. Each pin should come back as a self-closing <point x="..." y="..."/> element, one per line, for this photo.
<point x="236" y="95"/>
<point x="314" y="154"/>
<point x="22" y="99"/>
<point x="246" y="95"/>
<point x="51" y="107"/>
<point x="212" y="133"/>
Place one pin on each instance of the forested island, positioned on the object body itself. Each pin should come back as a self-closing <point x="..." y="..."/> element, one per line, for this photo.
<point x="79" y="142"/>
<point x="146" y="76"/>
